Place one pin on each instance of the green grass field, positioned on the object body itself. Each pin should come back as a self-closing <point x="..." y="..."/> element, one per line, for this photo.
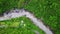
<point x="48" y="10"/>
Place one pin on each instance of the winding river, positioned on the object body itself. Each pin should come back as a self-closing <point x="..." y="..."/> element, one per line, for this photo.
<point x="18" y="13"/>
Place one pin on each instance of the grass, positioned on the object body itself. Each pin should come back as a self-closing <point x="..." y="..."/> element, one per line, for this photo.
<point x="15" y="26"/>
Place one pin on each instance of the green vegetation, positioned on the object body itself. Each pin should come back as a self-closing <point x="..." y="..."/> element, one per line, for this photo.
<point x="7" y="5"/>
<point x="15" y="26"/>
<point x="48" y="10"/>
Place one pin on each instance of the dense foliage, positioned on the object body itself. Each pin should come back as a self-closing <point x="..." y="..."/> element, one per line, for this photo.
<point x="7" y="5"/>
<point x="15" y="26"/>
<point x="47" y="10"/>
